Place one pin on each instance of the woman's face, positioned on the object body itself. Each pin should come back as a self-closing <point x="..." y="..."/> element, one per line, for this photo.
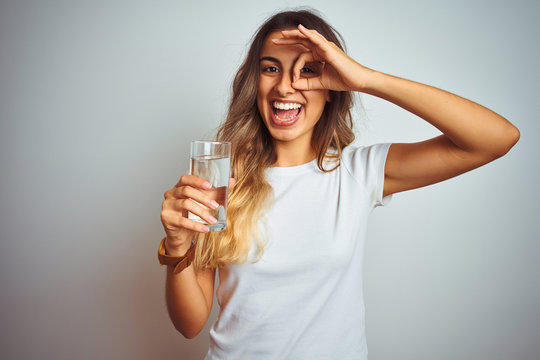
<point x="289" y="114"/>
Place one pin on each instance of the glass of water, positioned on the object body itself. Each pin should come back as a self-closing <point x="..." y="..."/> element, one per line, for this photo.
<point x="211" y="160"/>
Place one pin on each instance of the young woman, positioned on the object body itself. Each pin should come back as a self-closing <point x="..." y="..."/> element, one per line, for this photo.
<point x="290" y="260"/>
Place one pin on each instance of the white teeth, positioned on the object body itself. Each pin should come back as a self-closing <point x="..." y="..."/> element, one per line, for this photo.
<point x="286" y="106"/>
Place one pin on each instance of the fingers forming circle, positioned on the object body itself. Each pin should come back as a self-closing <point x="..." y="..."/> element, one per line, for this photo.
<point x="304" y="58"/>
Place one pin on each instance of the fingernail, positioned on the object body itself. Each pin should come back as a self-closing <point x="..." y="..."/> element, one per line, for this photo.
<point x="207" y="185"/>
<point x="301" y="26"/>
<point x="214" y="204"/>
<point x="213" y="220"/>
<point x="205" y="228"/>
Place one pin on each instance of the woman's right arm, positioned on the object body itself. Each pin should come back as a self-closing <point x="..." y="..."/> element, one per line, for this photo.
<point x="189" y="293"/>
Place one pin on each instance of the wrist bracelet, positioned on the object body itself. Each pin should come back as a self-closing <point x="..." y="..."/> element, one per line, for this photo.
<point x="176" y="263"/>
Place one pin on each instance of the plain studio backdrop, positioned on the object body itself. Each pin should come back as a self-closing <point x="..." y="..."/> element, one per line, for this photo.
<point x="99" y="100"/>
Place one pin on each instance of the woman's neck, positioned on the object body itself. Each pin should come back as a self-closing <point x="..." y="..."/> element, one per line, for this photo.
<point x="292" y="154"/>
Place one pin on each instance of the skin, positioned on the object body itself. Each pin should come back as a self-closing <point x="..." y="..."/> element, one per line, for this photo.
<point x="292" y="143"/>
<point x="472" y="136"/>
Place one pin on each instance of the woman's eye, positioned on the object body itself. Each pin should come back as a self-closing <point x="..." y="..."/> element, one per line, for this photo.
<point x="270" y="69"/>
<point x="307" y="70"/>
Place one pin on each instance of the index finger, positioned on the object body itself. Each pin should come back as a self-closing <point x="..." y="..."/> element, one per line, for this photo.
<point x="293" y="32"/>
<point x="312" y="35"/>
<point x="195" y="181"/>
<point x="294" y="41"/>
<point x="302" y="60"/>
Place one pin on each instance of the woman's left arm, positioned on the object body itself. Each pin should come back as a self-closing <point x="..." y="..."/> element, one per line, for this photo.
<point x="472" y="134"/>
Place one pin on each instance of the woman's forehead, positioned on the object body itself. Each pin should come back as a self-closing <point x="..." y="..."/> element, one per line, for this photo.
<point x="269" y="48"/>
<point x="274" y="35"/>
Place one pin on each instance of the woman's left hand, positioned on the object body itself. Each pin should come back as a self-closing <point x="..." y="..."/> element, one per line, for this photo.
<point x="472" y="134"/>
<point x="339" y="72"/>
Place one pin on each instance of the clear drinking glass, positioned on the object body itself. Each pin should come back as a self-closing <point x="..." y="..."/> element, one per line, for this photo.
<point x="211" y="160"/>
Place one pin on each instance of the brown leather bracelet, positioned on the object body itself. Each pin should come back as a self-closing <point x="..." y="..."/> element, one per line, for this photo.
<point x="177" y="263"/>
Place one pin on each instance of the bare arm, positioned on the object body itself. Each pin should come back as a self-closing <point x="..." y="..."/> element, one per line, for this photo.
<point x="472" y="134"/>
<point x="189" y="299"/>
<point x="189" y="293"/>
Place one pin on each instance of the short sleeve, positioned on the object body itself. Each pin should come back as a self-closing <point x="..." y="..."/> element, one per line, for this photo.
<point x="366" y="164"/>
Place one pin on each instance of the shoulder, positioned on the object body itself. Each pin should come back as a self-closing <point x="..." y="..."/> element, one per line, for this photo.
<point x="364" y="159"/>
<point x="366" y="165"/>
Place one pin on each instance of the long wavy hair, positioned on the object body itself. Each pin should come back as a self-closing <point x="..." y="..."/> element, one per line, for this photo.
<point x="253" y="151"/>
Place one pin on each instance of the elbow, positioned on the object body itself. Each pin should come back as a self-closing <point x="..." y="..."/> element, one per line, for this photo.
<point x="189" y="322"/>
<point x="503" y="142"/>
<point x="515" y="135"/>
<point x="188" y="333"/>
<point x="509" y="138"/>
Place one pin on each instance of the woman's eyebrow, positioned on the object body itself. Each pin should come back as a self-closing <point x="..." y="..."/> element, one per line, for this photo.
<point x="269" y="58"/>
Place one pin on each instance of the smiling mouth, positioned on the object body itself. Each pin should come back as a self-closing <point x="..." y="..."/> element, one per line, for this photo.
<point x="286" y="111"/>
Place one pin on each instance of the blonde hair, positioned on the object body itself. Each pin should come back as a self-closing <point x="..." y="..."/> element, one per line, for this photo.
<point x="252" y="150"/>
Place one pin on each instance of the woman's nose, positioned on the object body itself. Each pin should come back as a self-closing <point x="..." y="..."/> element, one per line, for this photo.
<point x="284" y="86"/>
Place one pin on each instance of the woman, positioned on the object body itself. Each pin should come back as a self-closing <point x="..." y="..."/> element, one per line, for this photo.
<point x="290" y="259"/>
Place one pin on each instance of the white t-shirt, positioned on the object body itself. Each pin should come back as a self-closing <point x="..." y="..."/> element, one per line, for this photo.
<point x="304" y="299"/>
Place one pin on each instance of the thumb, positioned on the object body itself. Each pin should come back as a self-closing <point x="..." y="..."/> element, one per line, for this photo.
<point x="308" y="84"/>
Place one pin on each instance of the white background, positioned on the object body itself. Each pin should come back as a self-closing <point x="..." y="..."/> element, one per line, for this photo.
<point x="99" y="100"/>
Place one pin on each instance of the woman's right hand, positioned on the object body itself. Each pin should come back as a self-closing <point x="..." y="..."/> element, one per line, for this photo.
<point x="186" y="196"/>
